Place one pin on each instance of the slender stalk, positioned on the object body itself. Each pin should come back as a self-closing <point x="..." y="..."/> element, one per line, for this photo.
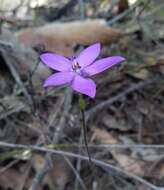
<point x="85" y="134"/>
<point x="82" y="111"/>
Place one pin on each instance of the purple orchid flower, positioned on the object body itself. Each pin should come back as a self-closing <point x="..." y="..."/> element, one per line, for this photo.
<point x="75" y="72"/>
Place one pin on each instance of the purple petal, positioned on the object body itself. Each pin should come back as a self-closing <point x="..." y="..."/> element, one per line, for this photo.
<point x="84" y="86"/>
<point x="56" y="62"/>
<point x="59" y="78"/>
<point x="88" y="55"/>
<point x="102" y="64"/>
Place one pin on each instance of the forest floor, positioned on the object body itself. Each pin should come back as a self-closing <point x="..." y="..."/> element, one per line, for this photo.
<point x="41" y="135"/>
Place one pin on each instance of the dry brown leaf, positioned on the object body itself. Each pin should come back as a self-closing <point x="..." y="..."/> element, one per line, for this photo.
<point x="13" y="179"/>
<point x="61" y="37"/>
<point x="58" y="175"/>
<point x="141" y="74"/>
<point x="124" y="158"/>
<point x="10" y="179"/>
<point x="104" y="137"/>
<point x="116" y="123"/>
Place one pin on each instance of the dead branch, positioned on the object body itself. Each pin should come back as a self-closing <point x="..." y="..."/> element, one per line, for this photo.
<point x="105" y="166"/>
<point x="59" y="129"/>
<point x="105" y="104"/>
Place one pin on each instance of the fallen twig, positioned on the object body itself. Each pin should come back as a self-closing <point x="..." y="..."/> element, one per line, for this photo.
<point x="59" y="129"/>
<point x="15" y="74"/>
<point x="91" y="112"/>
<point x="107" y="167"/>
<point x="10" y="112"/>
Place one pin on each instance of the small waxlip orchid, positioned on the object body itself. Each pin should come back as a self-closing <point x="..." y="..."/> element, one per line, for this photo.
<point x="75" y="72"/>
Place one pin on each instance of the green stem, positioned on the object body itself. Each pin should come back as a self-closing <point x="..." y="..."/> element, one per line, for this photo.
<point x="82" y="110"/>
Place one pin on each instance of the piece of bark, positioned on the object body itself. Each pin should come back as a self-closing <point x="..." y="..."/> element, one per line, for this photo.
<point x="123" y="5"/>
<point x="62" y="37"/>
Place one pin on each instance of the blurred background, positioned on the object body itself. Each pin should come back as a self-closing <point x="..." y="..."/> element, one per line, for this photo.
<point x="125" y="122"/>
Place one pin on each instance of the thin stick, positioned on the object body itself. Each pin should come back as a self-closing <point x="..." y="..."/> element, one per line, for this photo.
<point x="10" y="60"/>
<point x="77" y="174"/>
<point x="78" y="164"/>
<point x="107" y="167"/>
<point x="105" y="104"/>
<point x="110" y="146"/>
<point x="59" y="129"/>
